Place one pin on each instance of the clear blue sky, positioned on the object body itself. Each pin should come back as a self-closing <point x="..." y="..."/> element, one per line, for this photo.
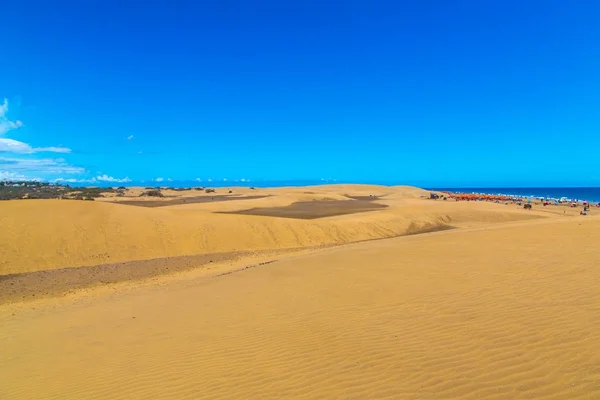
<point x="418" y="92"/>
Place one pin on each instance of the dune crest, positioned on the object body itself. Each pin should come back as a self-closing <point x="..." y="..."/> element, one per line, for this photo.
<point x="50" y="234"/>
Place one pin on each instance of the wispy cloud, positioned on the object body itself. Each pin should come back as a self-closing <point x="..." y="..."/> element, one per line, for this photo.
<point x="14" y="176"/>
<point x="100" y="178"/>
<point x="106" y="178"/>
<point x="70" y="180"/>
<point x="43" y="166"/>
<point x="15" y="146"/>
<point x="159" y="179"/>
<point x="129" y="137"/>
<point x="5" y="123"/>
<point x="22" y="163"/>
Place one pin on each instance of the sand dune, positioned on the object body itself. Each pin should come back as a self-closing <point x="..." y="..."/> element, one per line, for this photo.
<point x="503" y="306"/>
<point x="477" y="313"/>
<point x="49" y="234"/>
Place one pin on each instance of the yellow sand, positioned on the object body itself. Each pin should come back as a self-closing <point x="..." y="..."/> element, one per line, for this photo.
<point x="49" y="234"/>
<point x="494" y="311"/>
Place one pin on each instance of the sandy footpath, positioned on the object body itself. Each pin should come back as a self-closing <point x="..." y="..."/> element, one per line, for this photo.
<point x="505" y="306"/>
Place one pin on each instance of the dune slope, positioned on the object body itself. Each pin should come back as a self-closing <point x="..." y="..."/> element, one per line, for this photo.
<point x="49" y="234"/>
<point x="505" y="313"/>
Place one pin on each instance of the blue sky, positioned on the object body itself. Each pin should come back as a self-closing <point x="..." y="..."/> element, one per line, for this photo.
<point x="463" y="93"/>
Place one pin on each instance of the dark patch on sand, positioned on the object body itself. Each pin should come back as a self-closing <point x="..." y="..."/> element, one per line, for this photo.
<point x="40" y="284"/>
<point x="186" y="200"/>
<point x="31" y="285"/>
<point x="364" y="198"/>
<point x="314" y="209"/>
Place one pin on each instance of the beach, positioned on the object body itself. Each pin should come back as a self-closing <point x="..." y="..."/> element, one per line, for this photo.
<point x="333" y="291"/>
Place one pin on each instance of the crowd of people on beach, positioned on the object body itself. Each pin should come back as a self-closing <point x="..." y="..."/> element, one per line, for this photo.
<point x="507" y="199"/>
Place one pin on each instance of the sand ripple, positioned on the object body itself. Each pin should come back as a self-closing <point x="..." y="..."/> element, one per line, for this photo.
<point x="508" y="313"/>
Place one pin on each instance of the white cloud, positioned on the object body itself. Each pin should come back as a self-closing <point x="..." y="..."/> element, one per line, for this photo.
<point x="100" y="178"/>
<point x="129" y="137"/>
<point x="4" y="108"/>
<point x="25" y="167"/>
<point x="12" y="176"/>
<point x="52" y="149"/>
<point x="106" y="178"/>
<point x="43" y="166"/>
<point x="73" y="180"/>
<point x="15" y="146"/>
<point x="5" y="123"/>
<point x="199" y="180"/>
<point x="159" y="179"/>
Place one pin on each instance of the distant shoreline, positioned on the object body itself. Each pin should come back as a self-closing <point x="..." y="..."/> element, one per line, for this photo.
<point x="589" y="194"/>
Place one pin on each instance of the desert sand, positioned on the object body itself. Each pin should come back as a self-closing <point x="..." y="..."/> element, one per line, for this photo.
<point x="419" y="299"/>
<point x="51" y="234"/>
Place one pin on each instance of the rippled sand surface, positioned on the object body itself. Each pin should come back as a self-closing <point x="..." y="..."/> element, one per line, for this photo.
<point x="502" y="307"/>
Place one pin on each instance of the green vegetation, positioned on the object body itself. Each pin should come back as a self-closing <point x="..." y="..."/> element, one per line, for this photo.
<point x="152" y="193"/>
<point x="13" y="190"/>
